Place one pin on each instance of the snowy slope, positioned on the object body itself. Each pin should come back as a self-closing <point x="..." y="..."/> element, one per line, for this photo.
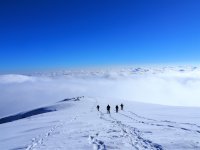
<point x="37" y="113"/>
<point x="75" y="124"/>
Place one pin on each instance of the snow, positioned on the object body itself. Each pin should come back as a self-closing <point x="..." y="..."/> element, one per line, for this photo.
<point x="78" y="125"/>
<point x="37" y="113"/>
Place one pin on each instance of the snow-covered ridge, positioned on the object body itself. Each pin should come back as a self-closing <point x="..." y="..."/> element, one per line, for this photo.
<point x="77" y="125"/>
<point x="38" y="111"/>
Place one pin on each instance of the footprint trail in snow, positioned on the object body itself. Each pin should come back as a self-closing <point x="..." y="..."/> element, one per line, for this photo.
<point x="82" y="127"/>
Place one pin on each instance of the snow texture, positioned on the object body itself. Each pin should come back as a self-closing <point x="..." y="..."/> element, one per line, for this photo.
<point x="77" y="125"/>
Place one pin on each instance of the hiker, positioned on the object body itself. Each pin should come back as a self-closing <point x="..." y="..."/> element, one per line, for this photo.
<point x="122" y="106"/>
<point x="117" y="108"/>
<point x="98" y="107"/>
<point x="108" y="109"/>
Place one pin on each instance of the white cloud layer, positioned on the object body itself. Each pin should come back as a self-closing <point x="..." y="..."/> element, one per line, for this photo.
<point x="168" y="86"/>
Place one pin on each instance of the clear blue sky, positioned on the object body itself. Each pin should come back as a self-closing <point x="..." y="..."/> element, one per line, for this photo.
<point x="39" y="34"/>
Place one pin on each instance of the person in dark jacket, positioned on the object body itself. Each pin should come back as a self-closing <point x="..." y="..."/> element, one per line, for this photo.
<point x="117" y="108"/>
<point x="108" y="109"/>
<point x="122" y="106"/>
<point x="98" y="107"/>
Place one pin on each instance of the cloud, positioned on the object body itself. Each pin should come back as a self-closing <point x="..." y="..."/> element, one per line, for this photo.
<point x="13" y="78"/>
<point x="168" y="87"/>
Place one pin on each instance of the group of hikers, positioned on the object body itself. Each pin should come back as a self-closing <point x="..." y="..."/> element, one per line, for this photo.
<point x="108" y="108"/>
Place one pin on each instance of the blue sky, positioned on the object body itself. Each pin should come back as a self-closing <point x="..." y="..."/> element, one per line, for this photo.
<point x="43" y="34"/>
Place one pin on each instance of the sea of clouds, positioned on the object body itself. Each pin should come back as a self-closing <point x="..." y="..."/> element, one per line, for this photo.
<point x="167" y="86"/>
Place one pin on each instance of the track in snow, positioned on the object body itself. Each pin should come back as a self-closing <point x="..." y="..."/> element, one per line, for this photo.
<point x="168" y="124"/>
<point x="96" y="143"/>
<point x="133" y="135"/>
<point x="115" y="132"/>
